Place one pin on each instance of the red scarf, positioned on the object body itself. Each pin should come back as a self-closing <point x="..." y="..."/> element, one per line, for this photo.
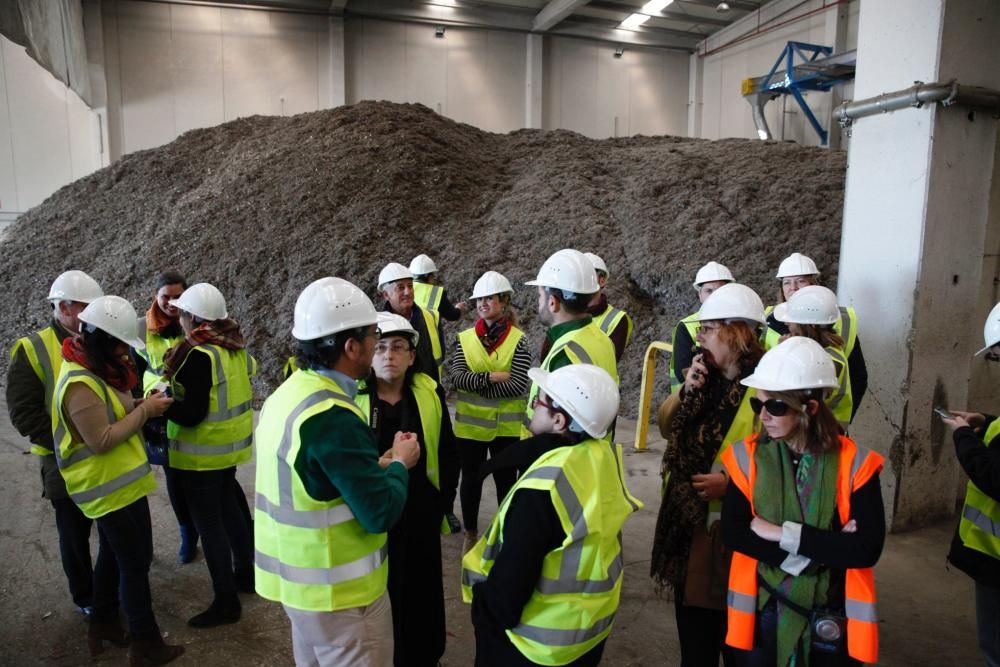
<point x="72" y="350"/>
<point x="493" y="335"/>
<point x="224" y="333"/>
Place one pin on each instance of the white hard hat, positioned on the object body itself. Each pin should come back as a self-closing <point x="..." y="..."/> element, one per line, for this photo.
<point x="814" y="304"/>
<point x="491" y="283"/>
<point x="116" y="317"/>
<point x="568" y="270"/>
<point x="587" y="393"/>
<point x="75" y="286"/>
<point x="733" y="302"/>
<point x="991" y="330"/>
<point x="798" y="363"/>
<point x="392" y="272"/>
<point x="331" y="305"/>
<point x="797" y="264"/>
<point x="598" y="263"/>
<point x="390" y="324"/>
<point x="421" y="265"/>
<point x="202" y="300"/>
<point x="712" y="272"/>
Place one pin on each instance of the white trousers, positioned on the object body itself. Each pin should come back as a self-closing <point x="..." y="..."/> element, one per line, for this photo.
<point x="358" y="637"/>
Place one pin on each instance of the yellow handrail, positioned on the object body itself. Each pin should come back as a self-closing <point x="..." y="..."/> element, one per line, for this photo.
<point x="646" y="390"/>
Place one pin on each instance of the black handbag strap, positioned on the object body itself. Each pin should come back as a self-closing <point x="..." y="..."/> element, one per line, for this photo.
<point x="794" y="606"/>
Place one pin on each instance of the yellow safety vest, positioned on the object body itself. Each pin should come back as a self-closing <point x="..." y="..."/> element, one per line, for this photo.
<point x="841" y="400"/>
<point x="691" y="324"/>
<point x="608" y="321"/>
<point x="431" y="319"/>
<point x="586" y="345"/>
<point x="846" y="327"/>
<point x="573" y="605"/>
<point x="310" y="554"/>
<point x="979" y="527"/>
<point x="741" y="427"/>
<point x="156" y="349"/>
<point x="478" y="417"/>
<point x="224" y="437"/>
<point x="290" y="367"/>
<point x="427" y="296"/>
<point x="98" y="483"/>
<point x="424" y="390"/>
<point x="44" y="352"/>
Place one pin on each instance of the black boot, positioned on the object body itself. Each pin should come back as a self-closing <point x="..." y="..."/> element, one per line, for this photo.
<point x="245" y="581"/>
<point x="189" y="544"/>
<point x="98" y="633"/>
<point x="225" y="609"/>
<point x="152" y="652"/>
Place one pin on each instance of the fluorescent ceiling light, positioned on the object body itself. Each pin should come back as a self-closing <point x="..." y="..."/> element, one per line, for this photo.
<point x="655" y="6"/>
<point x="634" y="21"/>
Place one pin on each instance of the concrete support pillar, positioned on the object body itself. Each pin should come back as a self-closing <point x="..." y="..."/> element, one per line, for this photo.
<point x="533" y="82"/>
<point x="915" y="220"/>
<point x="696" y="74"/>
<point x="836" y="36"/>
<point x="338" y="66"/>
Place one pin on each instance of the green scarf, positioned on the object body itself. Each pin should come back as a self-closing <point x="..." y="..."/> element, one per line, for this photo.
<point x="808" y="496"/>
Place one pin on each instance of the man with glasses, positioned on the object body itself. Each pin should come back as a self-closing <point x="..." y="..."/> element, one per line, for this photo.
<point x="395" y="283"/>
<point x="325" y="500"/>
<point x="35" y="361"/>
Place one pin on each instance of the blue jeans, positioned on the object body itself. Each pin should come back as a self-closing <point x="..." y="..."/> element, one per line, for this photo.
<point x="74" y="550"/>
<point x="126" y="540"/>
<point x="988" y="623"/>
<point x="221" y="521"/>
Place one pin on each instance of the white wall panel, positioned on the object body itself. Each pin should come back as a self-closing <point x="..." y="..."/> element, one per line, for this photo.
<point x="196" y="64"/>
<point x="8" y="180"/>
<point x="426" y="64"/>
<point x="376" y="61"/>
<point x="587" y="88"/>
<point x="145" y="75"/>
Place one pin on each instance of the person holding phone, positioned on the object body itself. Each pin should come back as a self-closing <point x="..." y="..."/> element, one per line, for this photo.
<point x="714" y="410"/>
<point x="709" y="278"/>
<point x="975" y="549"/>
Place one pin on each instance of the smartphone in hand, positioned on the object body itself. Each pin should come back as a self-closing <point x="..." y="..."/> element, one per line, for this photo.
<point x="943" y="414"/>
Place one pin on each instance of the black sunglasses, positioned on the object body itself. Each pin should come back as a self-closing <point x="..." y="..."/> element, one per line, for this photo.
<point x="775" y="406"/>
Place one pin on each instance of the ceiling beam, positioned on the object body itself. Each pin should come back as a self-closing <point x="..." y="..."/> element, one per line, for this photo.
<point x="742" y="5"/>
<point x="665" y="14"/>
<point x="643" y="29"/>
<point x="554" y="12"/>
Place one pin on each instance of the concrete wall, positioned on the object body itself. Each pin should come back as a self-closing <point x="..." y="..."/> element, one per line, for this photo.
<point x="590" y="91"/>
<point x="48" y="136"/>
<point x="719" y="106"/>
<point x="984" y="384"/>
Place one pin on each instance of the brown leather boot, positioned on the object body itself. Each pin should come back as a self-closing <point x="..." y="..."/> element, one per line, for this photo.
<point x="152" y="652"/>
<point x="98" y="633"/>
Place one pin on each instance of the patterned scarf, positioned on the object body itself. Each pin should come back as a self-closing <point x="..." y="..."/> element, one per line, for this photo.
<point x="123" y="378"/>
<point x="158" y="322"/>
<point x="492" y="335"/>
<point x="224" y="333"/>
<point x="806" y="495"/>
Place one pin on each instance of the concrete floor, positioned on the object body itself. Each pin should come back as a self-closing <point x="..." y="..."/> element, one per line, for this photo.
<point x="926" y="610"/>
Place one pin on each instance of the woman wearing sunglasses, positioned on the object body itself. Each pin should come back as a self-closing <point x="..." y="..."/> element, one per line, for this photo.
<point x="689" y="556"/>
<point x="812" y="312"/>
<point x="803" y="514"/>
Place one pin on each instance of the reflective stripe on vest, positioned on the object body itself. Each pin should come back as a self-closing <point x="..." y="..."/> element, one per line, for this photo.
<point x="98" y="483"/>
<point x="691" y="324"/>
<point x="586" y="345"/>
<point x="841" y="400"/>
<point x="979" y="526"/>
<point x="847" y="328"/>
<point x="157" y="347"/>
<point x="575" y="599"/>
<point x="608" y="321"/>
<point x="43" y="351"/>
<point x="478" y="417"/>
<point x="310" y="554"/>
<point x="856" y="465"/>
<point x="427" y="296"/>
<point x="224" y="437"/>
<point x="431" y="319"/>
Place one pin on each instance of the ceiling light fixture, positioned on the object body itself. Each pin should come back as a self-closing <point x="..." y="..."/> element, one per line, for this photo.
<point x="722" y="6"/>
<point x="655" y="6"/>
<point x="633" y="21"/>
<point x="619" y="51"/>
<point x="439" y="31"/>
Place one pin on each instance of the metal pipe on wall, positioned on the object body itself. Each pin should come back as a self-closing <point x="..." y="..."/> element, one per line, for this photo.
<point x="948" y="93"/>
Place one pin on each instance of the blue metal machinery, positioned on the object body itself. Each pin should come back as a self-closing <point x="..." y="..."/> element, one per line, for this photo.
<point x="816" y="69"/>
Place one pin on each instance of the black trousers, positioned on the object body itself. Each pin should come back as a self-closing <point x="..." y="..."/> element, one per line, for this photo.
<point x="221" y="520"/>
<point x="702" y="634"/>
<point x="764" y="653"/>
<point x="472" y="454"/>
<point x="177" y="500"/>
<point x="416" y="589"/>
<point x="126" y="551"/>
<point x="74" y="550"/>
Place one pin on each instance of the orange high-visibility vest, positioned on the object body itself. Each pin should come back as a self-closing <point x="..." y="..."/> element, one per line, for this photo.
<point x="857" y="466"/>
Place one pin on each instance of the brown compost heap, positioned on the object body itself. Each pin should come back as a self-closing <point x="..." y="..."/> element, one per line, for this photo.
<point x="262" y="206"/>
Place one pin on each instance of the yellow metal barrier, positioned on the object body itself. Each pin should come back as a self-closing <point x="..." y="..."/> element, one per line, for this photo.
<point x="646" y="391"/>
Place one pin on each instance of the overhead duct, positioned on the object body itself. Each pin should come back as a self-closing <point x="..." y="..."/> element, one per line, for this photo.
<point x="52" y="33"/>
<point x="916" y="96"/>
